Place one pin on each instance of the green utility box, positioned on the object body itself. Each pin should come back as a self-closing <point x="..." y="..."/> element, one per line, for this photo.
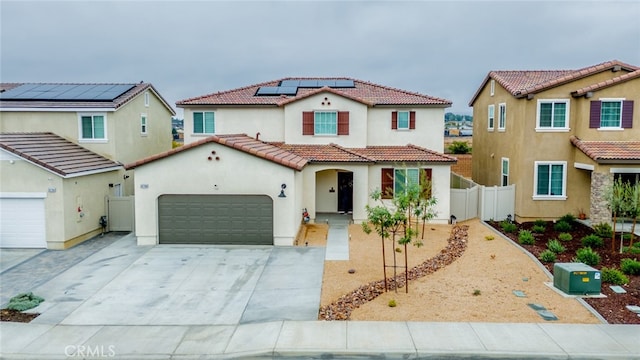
<point x="576" y="278"/>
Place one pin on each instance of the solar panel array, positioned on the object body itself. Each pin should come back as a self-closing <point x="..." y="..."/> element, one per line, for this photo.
<point x="66" y="92"/>
<point x="290" y="87"/>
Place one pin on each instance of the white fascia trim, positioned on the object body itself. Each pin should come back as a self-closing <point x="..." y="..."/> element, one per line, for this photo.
<point x="583" y="166"/>
<point x="624" y="170"/>
<point x="85" y="173"/>
<point x="58" y="109"/>
<point x="23" y="195"/>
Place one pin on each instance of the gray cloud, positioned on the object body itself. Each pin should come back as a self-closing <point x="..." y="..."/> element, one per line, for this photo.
<point x="187" y="49"/>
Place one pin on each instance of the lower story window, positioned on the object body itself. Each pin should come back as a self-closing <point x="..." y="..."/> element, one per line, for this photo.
<point x="550" y="179"/>
<point x="397" y="181"/>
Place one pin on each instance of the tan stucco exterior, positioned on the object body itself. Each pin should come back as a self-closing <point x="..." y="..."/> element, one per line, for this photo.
<point x="73" y="206"/>
<point x="522" y="144"/>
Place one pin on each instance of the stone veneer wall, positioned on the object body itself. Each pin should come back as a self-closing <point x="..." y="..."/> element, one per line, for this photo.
<point x="599" y="212"/>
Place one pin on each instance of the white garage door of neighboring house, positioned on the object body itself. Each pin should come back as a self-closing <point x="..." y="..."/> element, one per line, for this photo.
<point x="215" y="219"/>
<point x="22" y="221"/>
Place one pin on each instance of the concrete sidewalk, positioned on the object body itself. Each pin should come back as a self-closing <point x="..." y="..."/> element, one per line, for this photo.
<point x="317" y="339"/>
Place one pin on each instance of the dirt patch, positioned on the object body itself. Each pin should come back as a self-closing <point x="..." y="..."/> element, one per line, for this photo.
<point x="479" y="286"/>
<point x="16" y="316"/>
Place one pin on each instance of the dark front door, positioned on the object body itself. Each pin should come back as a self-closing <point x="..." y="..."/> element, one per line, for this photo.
<point x="345" y="192"/>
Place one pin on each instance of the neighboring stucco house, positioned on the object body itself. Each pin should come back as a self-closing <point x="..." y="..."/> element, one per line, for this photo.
<point x="256" y="157"/>
<point x="52" y="191"/>
<point x="561" y="136"/>
<point x="118" y="123"/>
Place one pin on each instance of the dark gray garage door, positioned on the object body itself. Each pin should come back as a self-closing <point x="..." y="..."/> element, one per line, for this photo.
<point x="215" y="219"/>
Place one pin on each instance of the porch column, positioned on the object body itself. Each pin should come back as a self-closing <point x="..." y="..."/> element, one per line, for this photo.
<point x="599" y="211"/>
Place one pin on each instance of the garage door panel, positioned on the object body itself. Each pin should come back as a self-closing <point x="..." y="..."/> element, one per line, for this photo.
<point x="215" y="219"/>
<point x="22" y="223"/>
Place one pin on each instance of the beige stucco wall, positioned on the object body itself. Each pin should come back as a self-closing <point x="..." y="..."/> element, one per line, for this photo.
<point x="64" y="225"/>
<point x="190" y="172"/>
<point x="250" y="120"/>
<point x="523" y="145"/>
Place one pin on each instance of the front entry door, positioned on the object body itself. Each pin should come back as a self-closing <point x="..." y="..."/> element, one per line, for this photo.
<point x="345" y="192"/>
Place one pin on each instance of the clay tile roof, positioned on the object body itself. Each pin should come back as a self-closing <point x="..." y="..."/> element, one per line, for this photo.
<point x="609" y="152"/>
<point x="607" y="83"/>
<point x="365" y="92"/>
<point x="94" y="104"/>
<point x="325" y="153"/>
<point x="56" y="154"/>
<point x="240" y="142"/>
<point x="408" y="153"/>
<point x="520" y="83"/>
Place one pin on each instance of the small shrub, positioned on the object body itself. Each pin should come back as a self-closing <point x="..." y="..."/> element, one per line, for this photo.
<point x="568" y="218"/>
<point x="603" y="230"/>
<point x="633" y="250"/>
<point x="565" y="237"/>
<point x="489" y="237"/>
<point x="630" y="266"/>
<point x="587" y="256"/>
<point x="392" y="303"/>
<point x="525" y="237"/>
<point x="613" y="276"/>
<point x="592" y="241"/>
<point x="24" y="301"/>
<point x="508" y="227"/>
<point x="476" y="292"/>
<point x="398" y="250"/>
<point x="459" y="147"/>
<point x="562" y="226"/>
<point x="538" y="228"/>
<point x="555" y="246"/>
<point x="547" y="256"/>
<point x="540" y="222"/>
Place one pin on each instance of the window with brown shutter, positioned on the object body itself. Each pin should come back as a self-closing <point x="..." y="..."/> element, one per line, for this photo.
<point x="627" y="114"/>
<point x="307" y="123"/>
<point x="343" y="123"/>
<point x="412" y="120"/>
<point x="425" y="176"/>
<point x="386" y="185"/>
<point x="394" y="120"/>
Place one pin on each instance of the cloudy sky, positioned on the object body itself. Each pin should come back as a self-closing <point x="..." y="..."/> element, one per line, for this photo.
<point x="187" y="49"/>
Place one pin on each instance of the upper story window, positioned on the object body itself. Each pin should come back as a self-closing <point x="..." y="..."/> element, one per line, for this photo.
<point x="502" y="116"/>
<point x="491" y="117"/>
<point x="403" y="120"/>
<point x="553" y="115"/>
<point x="611" y="114"/>
<point x="93" y="127"/>
<point x="203" y="122"/>
<point x="146" y="98"/>
<point x="550" y="180"/>
<point x="325" y="123"/>
<point x="493" y="87"/>
<point x="143" y="124"/>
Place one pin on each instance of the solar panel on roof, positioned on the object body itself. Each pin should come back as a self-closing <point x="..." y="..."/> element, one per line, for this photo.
<point x="308" y="83"/>
<point x="77" y="92"/>
<point x="344" y="83"/>
<point x="290" y="83"/>
<point x="329" y="83"/>
<point x="267" y="90"/>
<point x="287" y="90"/>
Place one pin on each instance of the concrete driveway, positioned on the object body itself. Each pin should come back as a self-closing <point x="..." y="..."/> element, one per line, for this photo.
<point x="125" y="284"/>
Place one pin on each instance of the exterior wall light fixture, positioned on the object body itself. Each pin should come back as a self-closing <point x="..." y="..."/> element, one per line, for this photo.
<point x="282" y="187"/>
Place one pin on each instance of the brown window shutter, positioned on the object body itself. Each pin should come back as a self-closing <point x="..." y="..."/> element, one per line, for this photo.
<point x="343" y="123"/>
<point x="307" y="123"/>
<point x="412" y="120"/>
<point x="387" y="183"/>
<point x="594" y="114"/>
<point x="426" y="176"/>
<point x="394" y="120"/>
<point x="627" y="114"/>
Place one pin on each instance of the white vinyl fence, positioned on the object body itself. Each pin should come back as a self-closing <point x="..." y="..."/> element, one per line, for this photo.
<point x="470" y="200"/>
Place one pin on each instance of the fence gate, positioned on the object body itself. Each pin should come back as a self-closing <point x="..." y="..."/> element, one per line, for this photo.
<point x="120" y="213"/>
<point x="470" y="200"/>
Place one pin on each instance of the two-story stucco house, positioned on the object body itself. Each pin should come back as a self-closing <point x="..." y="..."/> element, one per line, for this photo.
<point x="62" y="150"/>
<point x="561" y="136"/>
<point x="255" y="158"/>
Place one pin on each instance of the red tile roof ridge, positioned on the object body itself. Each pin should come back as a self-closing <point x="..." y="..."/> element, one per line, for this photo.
<point x="432" y="151"/>
<point x="266" y="83"/>
<point x="352" y="152"/>
<point x="404" y="91"/>
<point x="607" y="83"/>
<point x="287" y="100"/>
<point x="607" y="150"/>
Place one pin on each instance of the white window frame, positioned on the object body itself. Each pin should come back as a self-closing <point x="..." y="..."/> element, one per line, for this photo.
<point x="314" y="122"/>
<point x="92" y="140"/>
<point x="406" y="178"/>
<point x="492" y="86"/>
<point x="491" y="117"/>
<point x="565" y="128"/>
<point x="408" y="120"/>
<point x="504" y="175"/>
<point x="204" y="129"/>
<point x="144" y="124"/>
<point x="502" y="116"/>
<point x="563" y="196"/>
<point x="615" y="128"/>
<point x="146" y="99"/>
